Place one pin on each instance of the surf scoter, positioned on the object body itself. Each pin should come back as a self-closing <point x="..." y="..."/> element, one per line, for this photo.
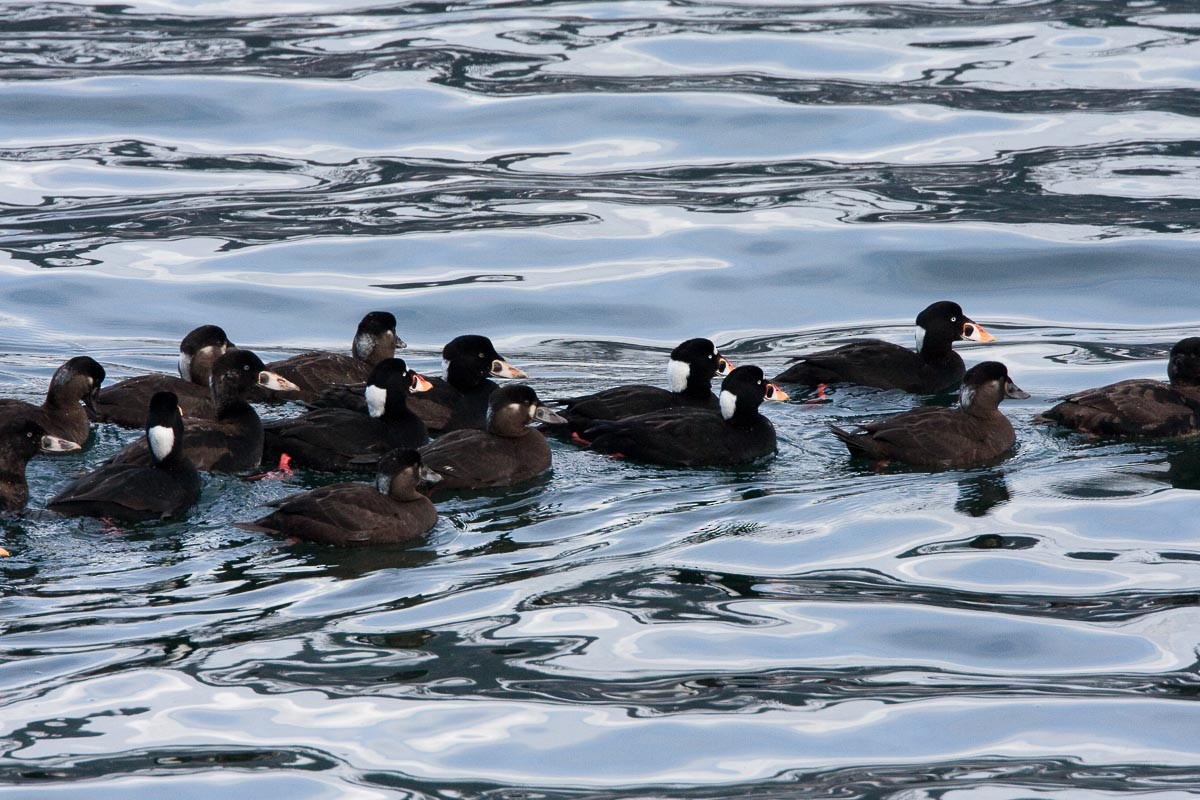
<point x="391" y="511"/>
<point x="690" y="371"/>
<point x="166" y="487"/>
<point x="506" y="452"/>
<point x="974" y="432"/>
<point x="124" y="403"/>
<point x="21" y="438"/>
<point x="61" y="414"/>
<point x="1140" y="407"/>
<point x="233" y="441"/>
<point x="934" y="366"/>
<point x="338" y="438"/>
<point x="374" y="340"/>
<point x="695" y="437"/>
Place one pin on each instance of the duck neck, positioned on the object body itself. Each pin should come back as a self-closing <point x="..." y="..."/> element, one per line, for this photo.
<point x="371" y="348"/>
<point x="935" y="349"/>
<point x="687" y="380"/>
<point x="463" y="376"/>
<point x="739" y="414"/>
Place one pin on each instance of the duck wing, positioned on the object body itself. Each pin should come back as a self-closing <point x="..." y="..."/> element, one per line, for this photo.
<point x="1128" y="408"/>
<point x="870" y="362"/>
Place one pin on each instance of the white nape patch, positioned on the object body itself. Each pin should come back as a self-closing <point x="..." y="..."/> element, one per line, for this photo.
<point x="364" y="343"/>
<point x="728" y="403"/>
<point x="185" y="366"/>
<point x="677" y="374"/>
<point x="445" y="369"/>
<point x="162" y="441"/>
<point x="920" y="336"/>
<point x="376" y="400"/>
<point x="966" y="396"/>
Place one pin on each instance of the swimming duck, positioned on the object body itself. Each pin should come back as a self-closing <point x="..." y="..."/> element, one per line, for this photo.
<point x="338" y="438"/>
<point x="1140" y="407"/>
<point x="695" y="437"/>
<point x="933" y="368"/>
<point x="124" y="403"/>
<point x="506" y="452"/>
<point x="391" y="511"/>
<point x="21" y="438"/>
<point x="374" y="340"/>
<point x="974" y="432"/>
<point x="233" y="441"/>
<point x="166" y="487"/>
<point x="61" y="414"/>
<point x="690" y="370"/>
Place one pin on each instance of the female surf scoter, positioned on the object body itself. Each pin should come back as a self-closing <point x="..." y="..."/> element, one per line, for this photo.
<point x="690" y="372"/>
<point x="1140" y="407"/>
<point x="974" y="432"/>
<point x="21" y="438"/>
<point x="233" y="441"/>
<point x="124" y="403"/>
<point x="391" y="511"/>
<point x="695" y="437"/>
<point x="338" y="438"/>
<point x="374" y="340"/>
<point x="61" y="414"/>
<point x="507" y="452"/>
<point x="933" y="368"/>
<point x="166" y="487"/>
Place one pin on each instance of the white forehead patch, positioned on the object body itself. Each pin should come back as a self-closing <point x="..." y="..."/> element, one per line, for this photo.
<point x="966" y="396"/>
<point x="162" y="441"/>
<point x="376" y="400"/>
<point x="920" y="336"/>
<point x="677" y="374"/>
<point x="728" y="403"/>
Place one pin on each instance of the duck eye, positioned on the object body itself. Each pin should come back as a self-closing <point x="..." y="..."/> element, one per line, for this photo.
<point x="29" y="435"/>
<point x="245" y="368"/>
<point x="954" y="319"/>
<point x="481" y="355"/>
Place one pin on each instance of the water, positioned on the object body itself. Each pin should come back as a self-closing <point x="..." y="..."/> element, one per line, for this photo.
<point x="589" y="183"/>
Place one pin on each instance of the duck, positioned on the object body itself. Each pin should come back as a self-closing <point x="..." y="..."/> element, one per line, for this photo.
<point x="124" y="403"/>
<point x="458" y="401"/>
<point x="1142" y="408"/>
<point x="233" y="440"/>
<point x="933" y="368"/>
<point x="973" y="432"/>
<point x="61" y="414"/>
<point x="338" y="438"/>
<point x="696" y="437"/>
<point x="164" y="488"/>
<point x="690" y="371"/>
<point x="391" y="511"/>
<point x="374" y="340"/>
<point x="507" y="451"/>
<point x="21" y="438"/>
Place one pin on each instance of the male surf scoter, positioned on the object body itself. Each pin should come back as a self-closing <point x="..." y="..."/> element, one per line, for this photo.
<point x="124" y="403"/>
<point x="61" y="414"/>
<point x="695" y="437"/>
<point x="974" y="432"/>
<point x="166" y="487"/>
<point x="1140" y="407"/>
<point x="233" y="441"/>
<point x="390" y="511"/>
<point x="21" y="438"/>
<point x="507" y="451"/>
<point x="338" y="438"/>
<point x="690" y="371"/>
<point x="934" y="366"/>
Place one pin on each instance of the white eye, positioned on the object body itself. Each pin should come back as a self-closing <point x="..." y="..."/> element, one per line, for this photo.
<point x="481" y="355"/>
<point x="29" y="436"/>
<point x="954" y="319"/>
<point x="245" y="368"/>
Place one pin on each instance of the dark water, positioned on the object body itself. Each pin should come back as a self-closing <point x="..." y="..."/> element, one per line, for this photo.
<point x="589" y="183"/>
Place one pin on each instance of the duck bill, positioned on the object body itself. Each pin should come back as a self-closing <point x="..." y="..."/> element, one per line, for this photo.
<point x="773" y="392"/>
<point x="974" y="332"/>
<point x="1014" y="392"/>
<point x="419" y="383"/>
<point x="276" y="383"/>
<point x="400" y="343"/>
<point x="429" y="476"/>
<point x="724" y="366"/>
<point x="55" y="444"/>
<point x="503" y="369"/>
<point x="543" y="414"/>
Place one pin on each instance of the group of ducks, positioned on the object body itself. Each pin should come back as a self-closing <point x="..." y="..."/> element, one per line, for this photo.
<point x="369" y="412"/>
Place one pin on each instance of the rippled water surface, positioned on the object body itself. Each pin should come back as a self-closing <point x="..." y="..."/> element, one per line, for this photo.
<point x="589" y="183"/>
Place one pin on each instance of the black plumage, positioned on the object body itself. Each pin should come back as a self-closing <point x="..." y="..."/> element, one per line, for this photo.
<point x="21" y="438"/>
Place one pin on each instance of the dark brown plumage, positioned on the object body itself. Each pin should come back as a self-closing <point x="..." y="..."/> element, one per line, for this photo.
<point x="61" y="414"/>
<point x="391" y="511"/>
<point x="125" y="402"/>
<point x="21" y="438"/>
<point x="1140" y="407"/>
<point x="974" y="432"/>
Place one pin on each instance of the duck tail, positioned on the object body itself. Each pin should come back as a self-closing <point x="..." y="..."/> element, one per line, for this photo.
<point x="859" y="444"/>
